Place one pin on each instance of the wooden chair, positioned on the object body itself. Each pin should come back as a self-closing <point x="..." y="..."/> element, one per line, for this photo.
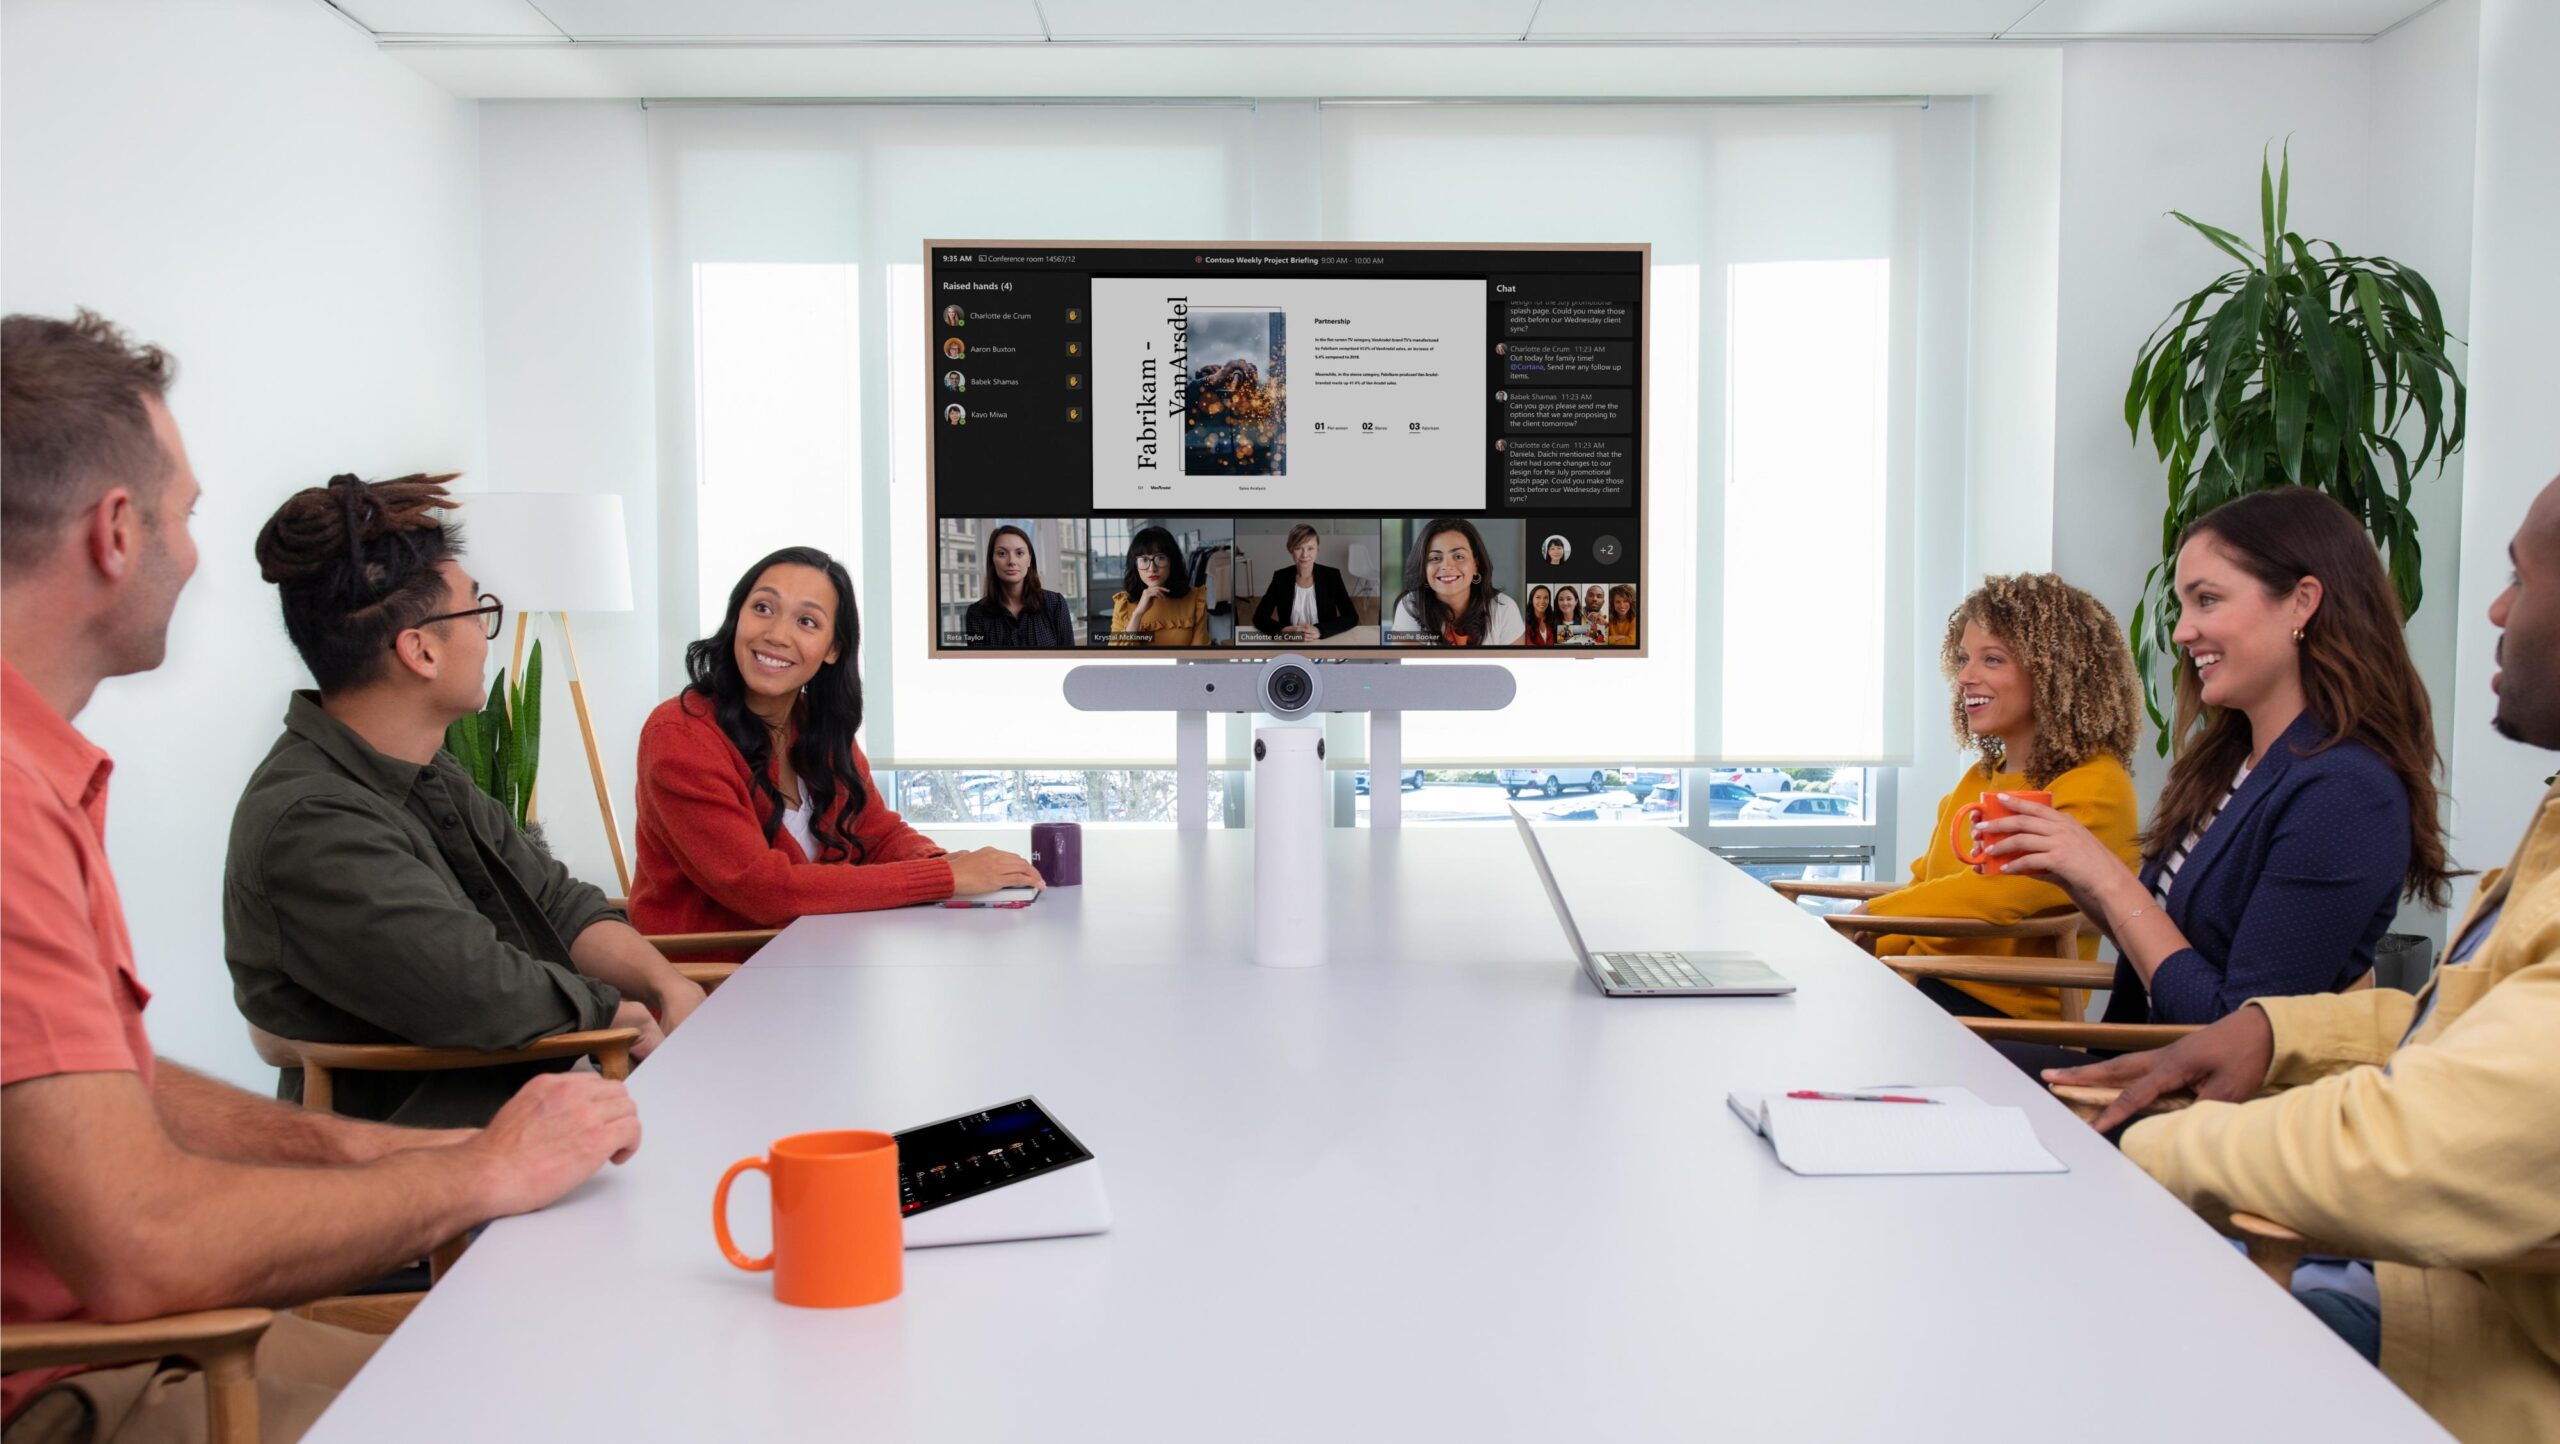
<point x="2111" y="1037"/>
<point x="221" y="1342"/>
<point x="2274" y="1248"/>
<point x="685" y="945"/>
<point x="2051" y="937"/>
<point x="319" y="1062"/>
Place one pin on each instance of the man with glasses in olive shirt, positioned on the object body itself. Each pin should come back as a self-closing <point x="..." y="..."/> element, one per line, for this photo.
<point x="373" y="894"/>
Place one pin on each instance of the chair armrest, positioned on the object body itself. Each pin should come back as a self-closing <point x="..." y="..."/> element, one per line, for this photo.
<point x="707" y="976"/>
<point x="2087" y="1103"/>
<point x="2016" y="972"/>
<point x="680" y="945"/>
<point x="193" y="1336"/>
<point x="2114" y="1037"/>
<point x="2065" y="926"/>
<point x="362" y="1313"/>
<point x="1808" y="887"/>
<point x="610" y="1047"/>
<point x="601" y="1043"/>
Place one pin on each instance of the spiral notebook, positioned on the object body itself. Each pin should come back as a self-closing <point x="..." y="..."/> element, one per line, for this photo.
<point x="1958" y="1134"/>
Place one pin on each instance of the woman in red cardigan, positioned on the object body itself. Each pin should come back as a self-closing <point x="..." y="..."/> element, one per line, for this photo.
<point x="756" y="807"/>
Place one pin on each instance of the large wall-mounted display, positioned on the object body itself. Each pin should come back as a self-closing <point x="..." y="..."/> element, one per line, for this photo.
<point x="1202" y="448"/>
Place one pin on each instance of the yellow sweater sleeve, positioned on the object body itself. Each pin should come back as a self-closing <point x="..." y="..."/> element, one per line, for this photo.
<point x="2318" y="1034"/>
<point x="2098" y="794"/>
<point x="2444" y="1159"/>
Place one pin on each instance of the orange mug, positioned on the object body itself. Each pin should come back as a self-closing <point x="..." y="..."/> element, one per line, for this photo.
<point x="837" y="1238"/>
<point x="1989" y="808"/>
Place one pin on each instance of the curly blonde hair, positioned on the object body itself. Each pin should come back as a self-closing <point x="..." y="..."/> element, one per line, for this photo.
<point x="2079" y="672"/>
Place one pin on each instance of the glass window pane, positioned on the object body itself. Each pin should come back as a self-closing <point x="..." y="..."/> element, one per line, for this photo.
<point x="777" y="380"/>
<point x="1804" y="520"/>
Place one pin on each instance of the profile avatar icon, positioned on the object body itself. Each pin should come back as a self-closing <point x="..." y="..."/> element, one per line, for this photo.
<point x="954" y="316"/>
<point x="954" y="414"/>
<point x="953" y="349"/>
<point x="954" y="381"/>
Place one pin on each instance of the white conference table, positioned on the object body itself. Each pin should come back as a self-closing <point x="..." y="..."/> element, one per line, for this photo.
<point x="1438" y="1189"/>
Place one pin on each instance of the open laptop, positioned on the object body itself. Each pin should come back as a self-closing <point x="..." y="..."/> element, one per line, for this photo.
<point x="1654" y="974"/>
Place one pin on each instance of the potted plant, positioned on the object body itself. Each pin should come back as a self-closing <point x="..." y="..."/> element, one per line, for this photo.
<point x="2297" y="369"/>
<point x="501" y="744"/>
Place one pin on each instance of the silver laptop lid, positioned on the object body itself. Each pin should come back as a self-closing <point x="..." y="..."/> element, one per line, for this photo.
<point x="1555" y="895"/>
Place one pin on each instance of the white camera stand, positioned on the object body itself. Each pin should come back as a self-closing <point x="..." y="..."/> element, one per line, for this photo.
<point x="1289" y="687"/>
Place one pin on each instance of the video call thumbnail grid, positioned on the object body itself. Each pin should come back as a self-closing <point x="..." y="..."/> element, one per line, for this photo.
<point x="1065" y="583"/>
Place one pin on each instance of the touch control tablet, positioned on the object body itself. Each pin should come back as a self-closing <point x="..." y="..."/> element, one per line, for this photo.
<point x="975" y="1153"/>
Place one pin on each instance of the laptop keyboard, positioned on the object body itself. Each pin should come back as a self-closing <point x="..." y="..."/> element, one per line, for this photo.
<point x="1654" y="970"/>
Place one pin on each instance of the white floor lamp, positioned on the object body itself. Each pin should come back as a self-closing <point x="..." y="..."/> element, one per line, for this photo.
<point x="555" y="552"/>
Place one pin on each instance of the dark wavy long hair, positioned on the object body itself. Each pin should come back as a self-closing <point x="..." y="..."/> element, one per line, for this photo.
<point x="1475" y="620"/>
<point x="830" y="711"/>
<point x="2357" y="679"/>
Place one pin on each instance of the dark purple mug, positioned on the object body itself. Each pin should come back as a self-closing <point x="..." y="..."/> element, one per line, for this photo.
<point x="1057" y="853"/>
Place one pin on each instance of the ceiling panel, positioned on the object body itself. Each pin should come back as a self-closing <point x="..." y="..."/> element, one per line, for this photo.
<point x="1757" y="19"/>
<point x="795" y="19"/>
<point x="1295" y="19"/>
<point x="450" y="17"/>
<point x="2067" y="18"/>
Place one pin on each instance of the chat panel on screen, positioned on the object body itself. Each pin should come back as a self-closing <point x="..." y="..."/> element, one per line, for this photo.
<point x="1270" y="392"/>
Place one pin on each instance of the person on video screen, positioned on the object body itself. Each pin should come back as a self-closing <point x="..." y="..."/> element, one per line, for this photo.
<point x="1305" y="602"/>
<point x="1013" y="609"/>
<point x="1622" y="615"/>
<point x="1542" y="618"/>
<point x="1450" y="598"/>
<point x="1156" y="605"/>
<point x="1570" y="628"/>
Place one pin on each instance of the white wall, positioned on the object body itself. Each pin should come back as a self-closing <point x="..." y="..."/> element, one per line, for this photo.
<point x="572" y="406"/>
<point x="2515" y="376"/>
<point x="250" y="184"/>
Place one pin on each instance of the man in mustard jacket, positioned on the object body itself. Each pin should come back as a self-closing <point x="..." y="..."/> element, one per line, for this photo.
<point x="2420" y="1132"/>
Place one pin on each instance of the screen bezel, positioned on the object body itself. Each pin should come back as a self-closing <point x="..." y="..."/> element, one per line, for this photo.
<point x="1318" y="651"/>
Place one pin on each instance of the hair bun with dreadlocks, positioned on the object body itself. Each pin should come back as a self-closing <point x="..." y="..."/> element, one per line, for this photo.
<point x="356" y="564"/>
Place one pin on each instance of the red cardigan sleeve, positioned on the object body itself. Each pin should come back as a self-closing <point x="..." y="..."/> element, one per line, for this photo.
<point x="692" y="776"/>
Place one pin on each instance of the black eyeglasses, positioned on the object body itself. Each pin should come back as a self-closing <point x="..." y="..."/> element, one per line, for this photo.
<point x="490" y="607"/>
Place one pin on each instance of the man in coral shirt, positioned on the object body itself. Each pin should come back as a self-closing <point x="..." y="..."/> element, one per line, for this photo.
<point x="131" y="1186"/>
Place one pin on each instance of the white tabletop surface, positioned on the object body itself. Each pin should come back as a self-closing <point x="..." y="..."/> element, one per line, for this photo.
<point x="1439" y="1189"/>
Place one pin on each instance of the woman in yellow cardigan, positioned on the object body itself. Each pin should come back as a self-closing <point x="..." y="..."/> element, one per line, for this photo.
<point x="1156" y="605"/>
<point x="2044" y="693"/>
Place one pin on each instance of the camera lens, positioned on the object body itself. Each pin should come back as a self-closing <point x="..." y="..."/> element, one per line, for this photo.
<point x="1290" y="688"/>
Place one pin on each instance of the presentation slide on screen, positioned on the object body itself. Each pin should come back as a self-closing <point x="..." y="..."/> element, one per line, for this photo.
<point x="1314" y="395"/>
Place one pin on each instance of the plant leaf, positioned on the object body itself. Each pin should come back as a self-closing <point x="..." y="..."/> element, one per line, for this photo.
<point x="2229" y="243"/>
<point x="2292" y="413"/>
<point x="2319" y="343"/>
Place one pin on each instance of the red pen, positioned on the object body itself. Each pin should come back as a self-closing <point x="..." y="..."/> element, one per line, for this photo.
<point x="1858" y="1097"/>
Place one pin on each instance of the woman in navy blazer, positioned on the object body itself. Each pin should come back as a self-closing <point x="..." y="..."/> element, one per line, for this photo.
<point x="2302" y="806"/>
